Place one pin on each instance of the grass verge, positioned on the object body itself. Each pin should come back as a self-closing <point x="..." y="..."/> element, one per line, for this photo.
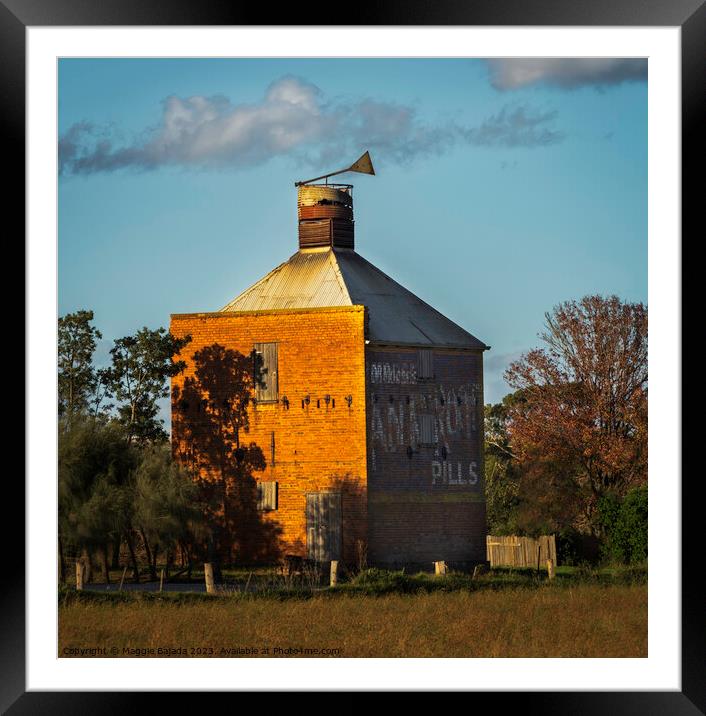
<point x="570" y="620"/>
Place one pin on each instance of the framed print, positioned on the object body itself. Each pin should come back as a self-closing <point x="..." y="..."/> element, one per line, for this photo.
<point x="323" y="436"/>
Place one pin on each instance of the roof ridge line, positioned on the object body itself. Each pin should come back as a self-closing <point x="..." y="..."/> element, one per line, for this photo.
<point x="414" y="295"/>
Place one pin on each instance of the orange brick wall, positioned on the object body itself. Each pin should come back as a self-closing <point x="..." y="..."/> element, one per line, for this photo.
<point x="317" y="447"/>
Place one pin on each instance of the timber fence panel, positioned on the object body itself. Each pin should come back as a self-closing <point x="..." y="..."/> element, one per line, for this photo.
<point x="514" y="551"/>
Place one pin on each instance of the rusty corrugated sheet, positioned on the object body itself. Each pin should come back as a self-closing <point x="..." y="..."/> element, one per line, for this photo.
<point x="314" y="194"/>
<point x="326" y="211"/>
<point x="314" y="233"/>
<point x="317" y="278"/>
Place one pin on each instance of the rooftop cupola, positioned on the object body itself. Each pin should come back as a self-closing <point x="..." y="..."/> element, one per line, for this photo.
<point x="325" y="215"/>
<point x="325" y="211"/>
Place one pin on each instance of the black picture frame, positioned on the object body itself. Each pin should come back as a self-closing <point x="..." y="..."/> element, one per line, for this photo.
<point x="689" y="15"/>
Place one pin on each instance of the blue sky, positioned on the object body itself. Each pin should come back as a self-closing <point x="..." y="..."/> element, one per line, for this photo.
<point x="503" y="187"/>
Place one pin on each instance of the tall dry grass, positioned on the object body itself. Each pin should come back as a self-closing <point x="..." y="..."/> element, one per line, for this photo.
<point x="585" y="621"/>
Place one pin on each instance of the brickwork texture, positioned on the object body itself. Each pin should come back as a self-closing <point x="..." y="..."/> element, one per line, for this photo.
<point x="405" y="451"/>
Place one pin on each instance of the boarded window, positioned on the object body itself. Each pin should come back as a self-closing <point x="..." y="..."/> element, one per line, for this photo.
<point x="265" y="372"/>
<point x="426" y="430"/>
<point x="266" y="495"/>
<point x="323" y="525"/>
<point x="425" y="364"/>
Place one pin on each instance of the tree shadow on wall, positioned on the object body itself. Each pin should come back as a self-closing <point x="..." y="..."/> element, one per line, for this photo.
<point x="210" y="423"/>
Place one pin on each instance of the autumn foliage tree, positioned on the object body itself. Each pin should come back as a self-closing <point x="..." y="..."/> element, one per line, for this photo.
<point x="579" y="425"/>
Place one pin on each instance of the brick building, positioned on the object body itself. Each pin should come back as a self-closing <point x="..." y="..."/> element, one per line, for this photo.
<point x="332" y="412"/>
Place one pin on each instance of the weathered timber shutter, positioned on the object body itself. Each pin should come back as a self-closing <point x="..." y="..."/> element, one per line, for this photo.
<point x="425" y="364"/>
<point x="426" y="430"/>
<point x="266" y="370"/>
<point x="323" y="526"/>
<point x="266" y="495"/>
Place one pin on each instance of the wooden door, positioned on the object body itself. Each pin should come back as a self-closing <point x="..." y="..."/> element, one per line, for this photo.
<point x="323" y="526"/>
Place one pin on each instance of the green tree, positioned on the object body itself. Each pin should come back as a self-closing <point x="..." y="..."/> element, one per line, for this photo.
<point x="502" y="473"/>
<point x="78" y="379"/>
<point x="624" y="523"/>
<point x="167" y="510"/>
<point x="111" y="491"/>
<point x="94" y="503"/>
<point x="138" y="378"/>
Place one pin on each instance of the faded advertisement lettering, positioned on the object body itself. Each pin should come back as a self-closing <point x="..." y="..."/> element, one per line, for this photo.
<point x="454" y="473"/>
<point x="393" y="373"/>
<point x="395" y="427"/>
<point x="395" y="424"/>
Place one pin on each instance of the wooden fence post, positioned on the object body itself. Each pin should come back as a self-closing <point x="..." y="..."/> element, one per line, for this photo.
<point x="161" y="580"/>
<point x="208" y="576"/>
<point x="550" y="569"/>
<point x="334" y="573"/>
<point x="122" y="579"/>
<point x="79" y="575"/>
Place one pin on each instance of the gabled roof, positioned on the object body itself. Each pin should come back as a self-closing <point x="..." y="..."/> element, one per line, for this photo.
<point x="318" y="278"/>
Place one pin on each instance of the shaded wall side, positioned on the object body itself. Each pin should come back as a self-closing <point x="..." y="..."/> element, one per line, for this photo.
<point x="426" y="501"/>
<point x="317" y="447"/>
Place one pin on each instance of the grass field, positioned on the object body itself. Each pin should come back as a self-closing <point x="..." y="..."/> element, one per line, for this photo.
<point x="503" y="615"/>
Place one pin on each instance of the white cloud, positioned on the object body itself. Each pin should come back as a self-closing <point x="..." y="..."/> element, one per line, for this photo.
<point x="210" y="131"/>
<point x="567" y="73"/>
<point x="293" y="118"/>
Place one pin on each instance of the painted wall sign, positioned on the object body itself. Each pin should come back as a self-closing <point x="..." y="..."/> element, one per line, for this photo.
<point x="424" y="432"/>
<point x="454" y="473"/>
<point x="393" y="373"/>
<point x="395" y="428"/>
<point x="395" y="425"/>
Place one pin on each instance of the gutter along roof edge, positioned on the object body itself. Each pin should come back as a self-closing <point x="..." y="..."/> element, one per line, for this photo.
<point x="268" y="311"/>
<point x="427" y="346"/>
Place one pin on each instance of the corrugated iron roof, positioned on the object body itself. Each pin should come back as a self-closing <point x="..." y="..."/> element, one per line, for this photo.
<point x="309" y="279"/>
<point x="317" y="278"/>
